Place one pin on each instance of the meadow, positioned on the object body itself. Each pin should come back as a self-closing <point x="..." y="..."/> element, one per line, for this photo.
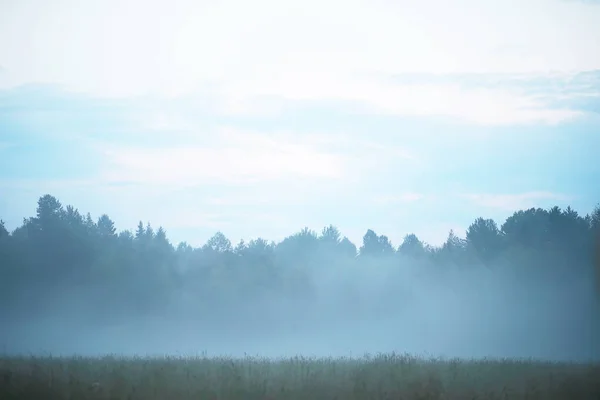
<point x="379" y="377"/>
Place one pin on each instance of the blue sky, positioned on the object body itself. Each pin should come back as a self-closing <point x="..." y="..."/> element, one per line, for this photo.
<point x="260" y="118"/>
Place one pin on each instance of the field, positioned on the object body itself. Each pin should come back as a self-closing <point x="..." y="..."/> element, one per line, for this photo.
<point x="371" y="377"/>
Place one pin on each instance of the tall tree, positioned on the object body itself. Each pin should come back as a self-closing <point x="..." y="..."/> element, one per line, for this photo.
<point x="298" y="248"/>
<point x="594" y="222"/>
<point x="218" y="243"/>
<point x="47" y="234"/>
<point x="330" y="235"/>
<point x="374" y="245"/>
<point x="528" y="228"/>
<point x="106" y="227"/>
<point x="49" y="211"/>
<point x="140" y="231"/>
<point x="485" y="239"/>
<point x="347" y="248"/>
<point x="411" y="246"/>
<point x="149" y="234"/>
<point x="3" y="230"/>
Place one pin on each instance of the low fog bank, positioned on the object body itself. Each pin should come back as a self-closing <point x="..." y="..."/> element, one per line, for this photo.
<point x="449" y="311"/>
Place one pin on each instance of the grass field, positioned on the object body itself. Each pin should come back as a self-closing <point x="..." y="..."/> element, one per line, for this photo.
<point x="378" y="377"/>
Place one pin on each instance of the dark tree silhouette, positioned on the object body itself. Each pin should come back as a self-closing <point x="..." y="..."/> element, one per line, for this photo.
<point x="485" y="239"/>
<point x="412" y="247"/>
<point x="375" y="246"/>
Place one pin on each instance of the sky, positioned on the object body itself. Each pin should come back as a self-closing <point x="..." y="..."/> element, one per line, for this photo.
<point x="260" y="118"/>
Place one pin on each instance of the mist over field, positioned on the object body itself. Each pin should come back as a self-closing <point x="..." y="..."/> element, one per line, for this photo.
<point x="456" y="321"/>
<point x="483" y="318"/>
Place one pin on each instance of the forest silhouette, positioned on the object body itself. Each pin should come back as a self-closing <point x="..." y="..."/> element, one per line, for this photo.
<point x="531" y="281"/>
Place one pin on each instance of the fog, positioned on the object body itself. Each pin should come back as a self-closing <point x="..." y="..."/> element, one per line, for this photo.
<point x="378" y="306"/>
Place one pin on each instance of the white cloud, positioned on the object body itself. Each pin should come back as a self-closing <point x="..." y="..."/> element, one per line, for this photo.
<point x="476" y="105"/>
<point x="512" y="202"/>
<point x="249" y="55"/>
<point x="160" y="121"/>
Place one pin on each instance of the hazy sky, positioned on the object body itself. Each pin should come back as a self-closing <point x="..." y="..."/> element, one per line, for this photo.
<point x="259" y="118"/>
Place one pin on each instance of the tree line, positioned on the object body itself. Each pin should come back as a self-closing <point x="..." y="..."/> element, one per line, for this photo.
<point x="61" y="248"/>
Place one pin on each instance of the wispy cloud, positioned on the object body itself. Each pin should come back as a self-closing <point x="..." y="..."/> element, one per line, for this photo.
<point x="479" y="105"/>
<point x="401" y="198"/>
<point x="254" y="61"/>
<point x="513" y="202"/>
<point x="240" y="158"/>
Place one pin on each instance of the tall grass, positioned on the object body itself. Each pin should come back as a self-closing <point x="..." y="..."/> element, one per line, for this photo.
<point x="379" y="377"/>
